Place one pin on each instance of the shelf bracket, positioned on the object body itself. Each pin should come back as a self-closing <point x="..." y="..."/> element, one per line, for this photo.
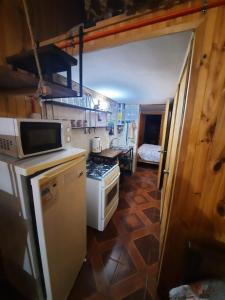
<point x="81" y="46"/>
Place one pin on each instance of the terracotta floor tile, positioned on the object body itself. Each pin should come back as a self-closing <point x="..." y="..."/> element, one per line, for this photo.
<point x="123" y="204"/>
<point x="114" y="254"/>
<point x="152" y="213"/>
<point x="110" y="232"/>
<point x="117" y="264"/>
<point x="141" y="294"/>
<point x="83" y="288"/>
<point x="140" y="200"/>
<point x="148" y="247"/>
<point x="123" y="271"/>
<point x="155" y="194"/>
<point x="132" y="222"/>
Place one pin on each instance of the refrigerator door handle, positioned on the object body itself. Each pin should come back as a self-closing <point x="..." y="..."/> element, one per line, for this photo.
<point x="81" y="174"/>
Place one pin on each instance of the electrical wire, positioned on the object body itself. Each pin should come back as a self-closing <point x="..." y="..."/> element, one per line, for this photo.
<point x="40" y="89"/>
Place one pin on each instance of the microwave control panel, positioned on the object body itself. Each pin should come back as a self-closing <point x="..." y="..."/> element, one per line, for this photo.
<point x="8" y="145"/>
<point x="67" y="133"/>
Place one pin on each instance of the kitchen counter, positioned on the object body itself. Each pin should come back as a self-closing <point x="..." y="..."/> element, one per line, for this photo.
<point x="113" y="153"/>
<point x="122" y="155"/>
<point x="110" y="153"/>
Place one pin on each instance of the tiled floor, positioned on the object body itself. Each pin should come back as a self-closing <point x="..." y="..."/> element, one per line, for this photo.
<point x="122" y="260"/>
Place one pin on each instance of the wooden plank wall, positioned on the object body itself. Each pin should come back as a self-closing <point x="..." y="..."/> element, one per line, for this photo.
<point x="14" y="39"/>
<point x="199" y="185"/>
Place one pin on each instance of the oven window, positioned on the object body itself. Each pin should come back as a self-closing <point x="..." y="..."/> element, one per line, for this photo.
<point x="111" y="195"/>
<point x="40" y="136"/>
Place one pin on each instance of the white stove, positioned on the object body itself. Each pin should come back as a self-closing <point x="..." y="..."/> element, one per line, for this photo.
<point x="102" y="193"/>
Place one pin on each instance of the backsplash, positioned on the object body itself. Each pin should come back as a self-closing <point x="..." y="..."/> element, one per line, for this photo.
<point x="80" y="137"/>
<point x="82" y="140"/>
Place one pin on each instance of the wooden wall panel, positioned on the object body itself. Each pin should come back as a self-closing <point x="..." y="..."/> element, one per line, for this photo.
<point x="14" y="39"/>
<point x="51" y="18"/>
<point x="200" y="179"/>
<point x="175" y="25"/>
<point x="15" y="106"/>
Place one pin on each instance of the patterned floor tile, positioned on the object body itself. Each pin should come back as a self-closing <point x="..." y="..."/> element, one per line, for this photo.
<point x="140" y="199"/>
<point x="117" y="264"/>
<point x="123" y="204"/>
<point x="113" y="255"/>
<point x="132" y="222"/>
<point x="155" y="194"/>
<point x="148" y="246"/>
<point x="109" y="233"/>
<point x="152" y="213"/>
<point x="84" y="288"/>
<point x="141" y="294"/>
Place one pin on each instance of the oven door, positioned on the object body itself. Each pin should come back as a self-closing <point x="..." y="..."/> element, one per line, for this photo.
<point x="36" y="137"/>
<point x="110" y="195"/>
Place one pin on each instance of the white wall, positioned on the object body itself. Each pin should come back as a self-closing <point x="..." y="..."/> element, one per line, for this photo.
<point x="131" y="114"/>
<point x="81" y="140"/>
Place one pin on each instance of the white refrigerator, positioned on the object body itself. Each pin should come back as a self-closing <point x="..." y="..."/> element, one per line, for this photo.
<point x="43" y="222"/>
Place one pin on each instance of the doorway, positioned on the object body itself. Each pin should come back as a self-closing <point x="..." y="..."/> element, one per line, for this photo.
<point x="152" y="129"/>
<point x="129" y="246"/>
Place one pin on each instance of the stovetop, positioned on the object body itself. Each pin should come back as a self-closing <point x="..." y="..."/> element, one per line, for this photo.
<point x="98" y="170"/>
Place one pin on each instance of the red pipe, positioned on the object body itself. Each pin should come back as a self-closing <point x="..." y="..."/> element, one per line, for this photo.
<point x="142" y="23"/>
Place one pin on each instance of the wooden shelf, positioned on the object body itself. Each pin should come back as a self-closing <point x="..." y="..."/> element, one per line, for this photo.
<point x="75" y="106"/>
<point x="21" y="83"/>
<point x="52" y="59"/>
<point x="92" y="127"/>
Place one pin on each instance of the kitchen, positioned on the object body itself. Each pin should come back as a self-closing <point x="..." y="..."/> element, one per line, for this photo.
<point x="93" y="128"/>
<point x="71" y="158"/>
<point x="93" y="182"/>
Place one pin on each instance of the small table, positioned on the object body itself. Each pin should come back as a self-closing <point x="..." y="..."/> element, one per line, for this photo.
<point x="123" y="156"/>
<point x="110" y="153"/>
<point x="126" y="161"/>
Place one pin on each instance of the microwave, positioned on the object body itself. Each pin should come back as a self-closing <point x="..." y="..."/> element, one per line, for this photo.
<point x="27" y="137"/>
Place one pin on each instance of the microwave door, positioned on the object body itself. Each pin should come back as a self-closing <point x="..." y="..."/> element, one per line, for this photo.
<point x="40" y="137"/>
<point x="60" y="213"/>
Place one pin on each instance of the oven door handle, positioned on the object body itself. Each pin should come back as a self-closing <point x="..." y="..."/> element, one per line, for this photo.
<point x="114" y="180"/>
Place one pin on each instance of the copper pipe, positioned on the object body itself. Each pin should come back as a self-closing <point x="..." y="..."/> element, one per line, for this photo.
<point x="162" y="18"/>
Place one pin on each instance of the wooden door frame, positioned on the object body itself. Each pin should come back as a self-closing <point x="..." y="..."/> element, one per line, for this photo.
<point x="142" y="120"/>
<point x="165" y="129"/>
<point x="141" y="128"/>
<point x="195" y="97"/>
<point x="203" y="24"/>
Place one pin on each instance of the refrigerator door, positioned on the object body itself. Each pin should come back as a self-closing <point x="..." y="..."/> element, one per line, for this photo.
<point x="60" y="212"/>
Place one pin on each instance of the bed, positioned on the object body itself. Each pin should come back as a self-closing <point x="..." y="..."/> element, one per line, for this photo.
<point x="149" y="153"/>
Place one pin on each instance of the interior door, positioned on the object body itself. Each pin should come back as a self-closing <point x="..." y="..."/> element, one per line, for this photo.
<point x="60" y="212"/>
<point x="165" y="140"/>
<point x="173" y="145"/>
<point x="141" y="129"/>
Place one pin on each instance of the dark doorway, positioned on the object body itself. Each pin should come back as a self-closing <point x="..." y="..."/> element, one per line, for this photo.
<point x="152" y="129"/>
